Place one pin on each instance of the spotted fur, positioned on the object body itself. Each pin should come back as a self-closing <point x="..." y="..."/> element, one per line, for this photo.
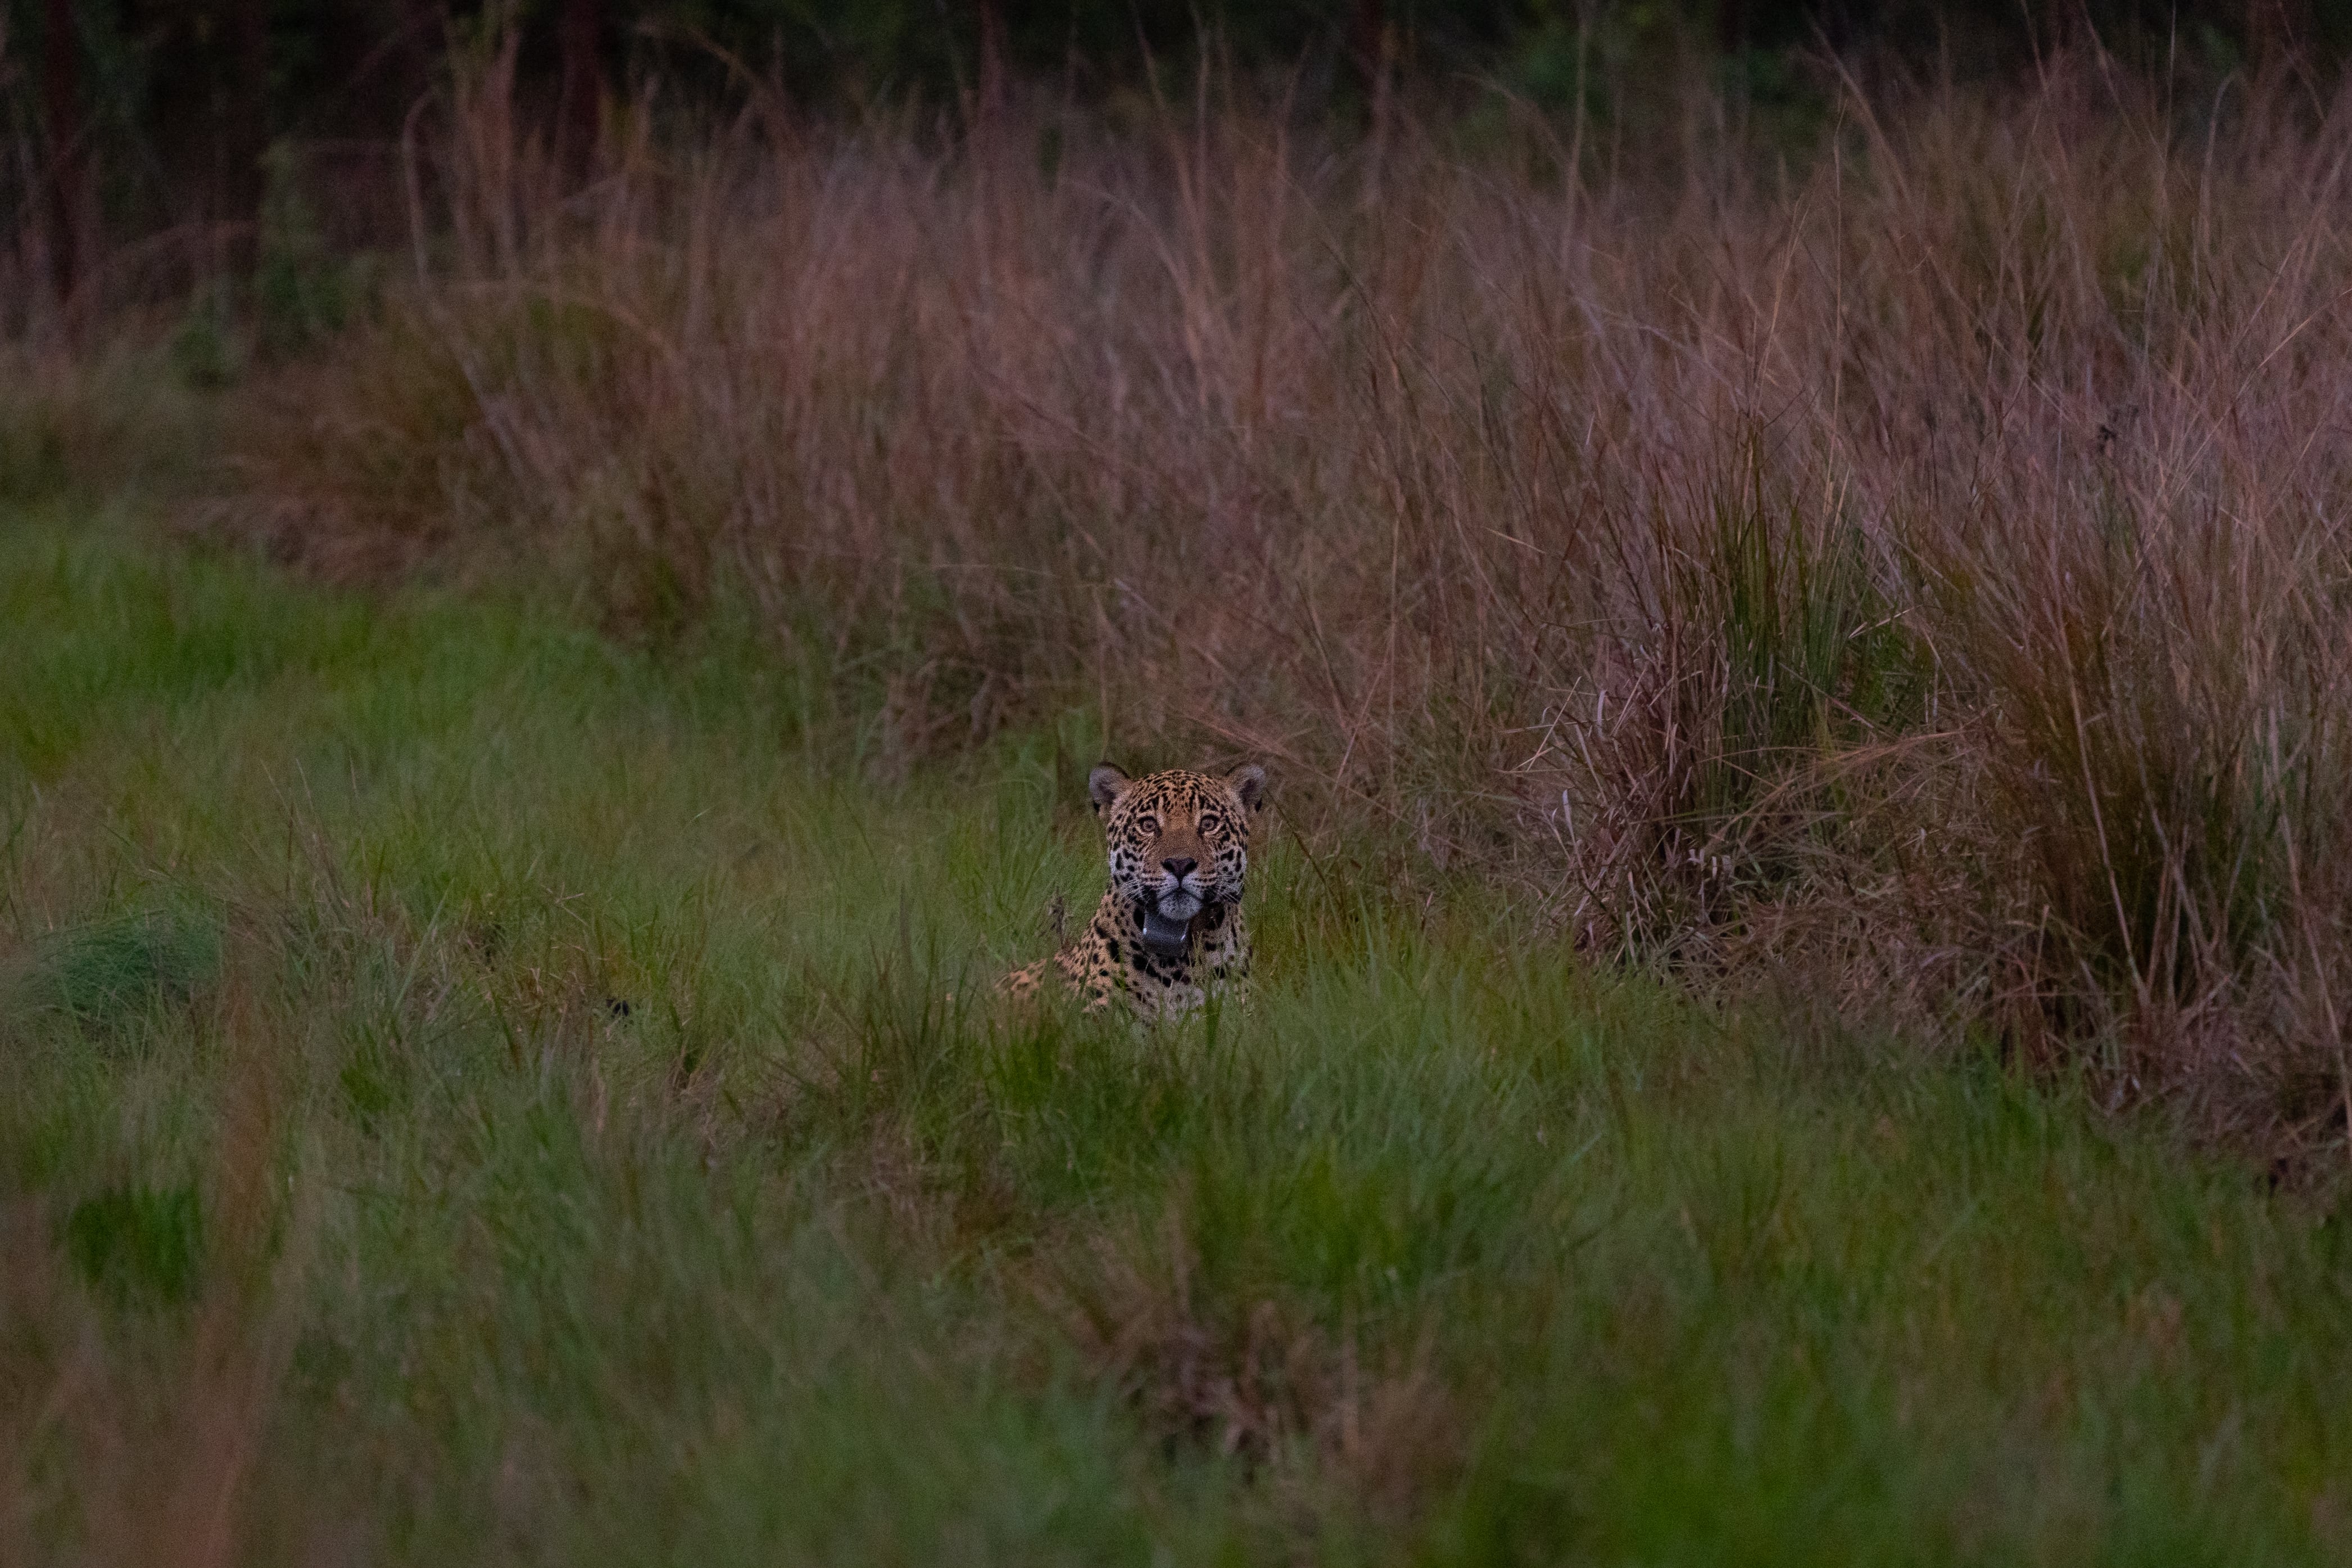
<point x="1169" y="932"/>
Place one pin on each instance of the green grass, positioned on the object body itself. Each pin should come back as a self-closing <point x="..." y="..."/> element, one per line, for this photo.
<point x="348" y="1215"/>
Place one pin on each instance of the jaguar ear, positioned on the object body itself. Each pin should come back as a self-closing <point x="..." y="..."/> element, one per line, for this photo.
<point x="1103" y="785"/>
<point x="1249" y="783"/>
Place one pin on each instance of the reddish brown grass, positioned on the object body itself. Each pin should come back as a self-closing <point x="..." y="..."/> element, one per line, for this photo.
<point x="1922" y="571"/>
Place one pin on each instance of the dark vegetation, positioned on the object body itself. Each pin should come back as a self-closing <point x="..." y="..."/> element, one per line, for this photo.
<point x="151" y="139"/>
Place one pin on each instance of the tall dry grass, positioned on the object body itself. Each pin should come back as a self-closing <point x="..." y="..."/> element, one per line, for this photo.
<point x="1915" y="571"/>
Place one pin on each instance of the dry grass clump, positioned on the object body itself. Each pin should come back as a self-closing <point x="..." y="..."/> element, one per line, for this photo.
<point x="1245" y="1378"/>
<point x="1924" y="565"/>
<point x="164" y="1418"/>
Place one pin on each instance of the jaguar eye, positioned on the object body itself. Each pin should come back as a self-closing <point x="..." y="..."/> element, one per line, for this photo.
<point x="1149" y="825"/>
<point x="1211" y="822"/>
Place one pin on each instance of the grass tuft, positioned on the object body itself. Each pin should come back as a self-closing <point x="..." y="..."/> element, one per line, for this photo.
<point x="137" y="1243"/>
<point x="108" y="974"/>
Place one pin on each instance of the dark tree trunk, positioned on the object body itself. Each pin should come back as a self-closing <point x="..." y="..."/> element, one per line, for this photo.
<point x="1372" y="44"/>
<point x="1730" y="26"/>
<point x="992" y="60"/>
<point x="2279" y="32"/>
<point x="422" y="33"/>
<point x="580" y="107"/>
<point x="248" y="130"/>
<point x="61" y="94"/>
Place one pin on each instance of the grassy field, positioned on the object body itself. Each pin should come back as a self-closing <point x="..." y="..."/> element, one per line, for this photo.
<point x="471" y="1094"/>
<point x="1903" y="563"/>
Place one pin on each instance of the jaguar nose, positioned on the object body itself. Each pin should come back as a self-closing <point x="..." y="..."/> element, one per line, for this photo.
<point x="1178" y="866"/>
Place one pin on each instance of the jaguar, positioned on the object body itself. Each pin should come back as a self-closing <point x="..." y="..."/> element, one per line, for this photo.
<point x="1168" y="933"/>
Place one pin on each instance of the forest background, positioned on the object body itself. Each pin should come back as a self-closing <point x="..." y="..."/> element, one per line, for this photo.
<point x="143" y="130"/>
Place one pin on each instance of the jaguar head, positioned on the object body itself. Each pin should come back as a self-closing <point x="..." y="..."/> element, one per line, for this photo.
<point x="1177" y="844"/>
